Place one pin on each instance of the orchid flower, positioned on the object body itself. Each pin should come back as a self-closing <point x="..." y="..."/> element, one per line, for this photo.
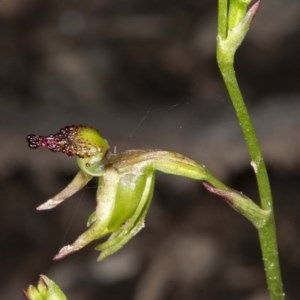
<point x="126" y="182"/>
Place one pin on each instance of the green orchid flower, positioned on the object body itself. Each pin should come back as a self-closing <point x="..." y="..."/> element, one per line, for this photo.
<point x="126" y="182"/>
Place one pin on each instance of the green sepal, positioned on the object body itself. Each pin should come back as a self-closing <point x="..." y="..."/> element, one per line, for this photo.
<point x="132" y="226"/>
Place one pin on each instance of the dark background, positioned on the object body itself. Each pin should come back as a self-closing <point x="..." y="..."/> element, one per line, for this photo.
<point x="144" y="74"/>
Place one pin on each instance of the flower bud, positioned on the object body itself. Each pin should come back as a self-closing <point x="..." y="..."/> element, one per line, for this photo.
<point x="45" y="290"/>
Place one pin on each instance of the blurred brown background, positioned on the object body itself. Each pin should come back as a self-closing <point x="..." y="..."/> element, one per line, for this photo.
<point x="144" y="73"/>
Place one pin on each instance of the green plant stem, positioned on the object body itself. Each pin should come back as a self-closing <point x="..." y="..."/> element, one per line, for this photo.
<point x="267" y="233"/>
<point x="222" y="18"/>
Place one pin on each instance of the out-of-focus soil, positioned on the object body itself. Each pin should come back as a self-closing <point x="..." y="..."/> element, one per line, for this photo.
<point x="144" y="73"/>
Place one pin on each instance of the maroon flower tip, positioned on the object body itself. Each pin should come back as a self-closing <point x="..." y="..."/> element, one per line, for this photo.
<point x="71" y="140"/>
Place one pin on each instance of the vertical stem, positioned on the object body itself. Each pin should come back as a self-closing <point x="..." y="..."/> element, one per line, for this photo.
<point x="222" y="18"/>
<point x="229" y="77"/>
<point x="267" y="234"/>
